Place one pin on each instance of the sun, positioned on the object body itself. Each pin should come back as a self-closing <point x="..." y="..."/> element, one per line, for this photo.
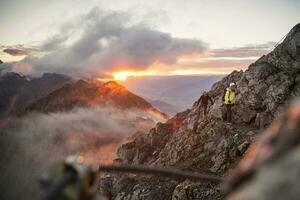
<point x="121" y="76"/>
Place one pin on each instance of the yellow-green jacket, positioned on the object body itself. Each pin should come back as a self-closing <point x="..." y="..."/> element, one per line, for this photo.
<point x="229" y="96"/>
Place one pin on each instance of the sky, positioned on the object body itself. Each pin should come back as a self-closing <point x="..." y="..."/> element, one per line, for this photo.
<point x="120" y="38"/>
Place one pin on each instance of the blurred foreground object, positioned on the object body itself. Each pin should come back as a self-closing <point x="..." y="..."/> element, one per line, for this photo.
<point x="165" y="172"/>
<point x="70" y="180"/>
<point x="271" y="168"/>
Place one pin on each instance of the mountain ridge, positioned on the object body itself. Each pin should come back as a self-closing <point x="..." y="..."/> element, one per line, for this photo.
<point x="87" y="94"/>
<point x="191" y="142"/>
<point x="57" y="92"/>
<point x="165" y="107"/>
<point x="18" y="91"/>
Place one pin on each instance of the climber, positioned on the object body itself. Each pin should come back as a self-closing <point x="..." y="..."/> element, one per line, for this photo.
<point x="229" y="100"/>
<point x="203" y="102"/>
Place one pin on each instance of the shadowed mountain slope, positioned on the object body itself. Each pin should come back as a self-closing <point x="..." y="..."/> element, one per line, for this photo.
<point x="87" y="94"/>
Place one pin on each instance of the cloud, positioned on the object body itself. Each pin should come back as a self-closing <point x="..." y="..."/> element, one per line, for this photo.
<point x="227" y="59"/>
<point x="221" y="66"/>
<point x="252" y="50"/>
<point x="31" y="144"/>
<point x="16" y="52"/>
<point x="103" y="41"/>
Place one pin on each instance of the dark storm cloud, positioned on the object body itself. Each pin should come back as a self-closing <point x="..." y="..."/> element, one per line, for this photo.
<point x="16" y="52"/>
<point x="254" y="50"/>
<point x="19" y="49"/>
<point x="103" y="41"/>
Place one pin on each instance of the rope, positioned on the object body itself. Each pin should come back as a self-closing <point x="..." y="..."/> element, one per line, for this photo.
<point x="280" y="40"/>
<point x="172" y="173"/>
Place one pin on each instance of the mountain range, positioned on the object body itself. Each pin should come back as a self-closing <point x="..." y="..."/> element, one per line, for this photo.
<point x="86" y="94"/>
<point x="165" y="88"/>
<point x="165" y="107"/>
<point x="17" y="91"/>
<point x="57" y="93"/>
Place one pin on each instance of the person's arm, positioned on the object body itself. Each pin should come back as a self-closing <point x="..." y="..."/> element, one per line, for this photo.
<point x="211" y="101"/>
<point x="199" y="101"/>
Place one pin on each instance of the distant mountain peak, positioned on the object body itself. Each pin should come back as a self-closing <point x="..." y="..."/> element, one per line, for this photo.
<point x="114" y="85"/>
<point x="86" y="94"/>
<point x="290" y="45"/>
<point x="55" y="75"/>
<point x="294" y="33"/>
<point x="12" y="75"/>
<point x="18" y="91"/>
<point x="82" y="83"/>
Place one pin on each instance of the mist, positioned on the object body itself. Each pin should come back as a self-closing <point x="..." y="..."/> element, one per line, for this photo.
<point x="30" y="145"/>
<point x="191" y="88"/>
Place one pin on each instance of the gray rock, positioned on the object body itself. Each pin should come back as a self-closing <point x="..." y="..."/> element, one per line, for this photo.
<point x="201" y="191"/>
<point x="243" y="147"/>
<point x="190" y="142"/>
<point x="272" y="172"/>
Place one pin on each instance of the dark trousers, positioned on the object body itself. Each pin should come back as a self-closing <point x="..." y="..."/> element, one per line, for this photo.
<point x="228" y="112"/>
<point x="204" y="107"/>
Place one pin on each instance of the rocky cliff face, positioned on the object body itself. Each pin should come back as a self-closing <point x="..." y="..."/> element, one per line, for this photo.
<point x="190" y="142"/>
<point x="270" y="170"/>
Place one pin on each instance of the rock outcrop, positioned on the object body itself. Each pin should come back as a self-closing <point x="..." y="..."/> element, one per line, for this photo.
<point x="270" y="169"/>
<point x="190" y="142"/>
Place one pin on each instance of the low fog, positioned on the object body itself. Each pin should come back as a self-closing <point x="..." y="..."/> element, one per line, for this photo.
<point x="31" y="144"/>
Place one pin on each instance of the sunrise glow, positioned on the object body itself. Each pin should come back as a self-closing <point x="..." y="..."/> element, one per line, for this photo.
<point x="121" y="76"/>
<point x="124" y="75"/>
